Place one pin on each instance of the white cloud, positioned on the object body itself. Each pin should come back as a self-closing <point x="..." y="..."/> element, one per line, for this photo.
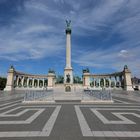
<point x="27" y="41"/>
<point x="29" y="36"/>
<point x="38" y="31"/>
<point x="123" y="53"/>
<point x="110" y="59"/>
<point x="59" y="1"/>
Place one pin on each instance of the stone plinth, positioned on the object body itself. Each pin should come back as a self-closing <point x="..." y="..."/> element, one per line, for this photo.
<point x="10" y="80"/>
<point x="51" y="80"/>
<point x="86" y="80"/>
<point x="127" y="79"/>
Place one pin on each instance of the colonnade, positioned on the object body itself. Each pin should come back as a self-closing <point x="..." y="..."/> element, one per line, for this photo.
<point x="19" y="80"/>
<point x="97" y="81"/>
<point x="112" y="81"/>
<point x="31" y="82"/>
<point x="23" y="81"/>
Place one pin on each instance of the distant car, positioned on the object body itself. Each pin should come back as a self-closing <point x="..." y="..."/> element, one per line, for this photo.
<point x="136" y="88"/>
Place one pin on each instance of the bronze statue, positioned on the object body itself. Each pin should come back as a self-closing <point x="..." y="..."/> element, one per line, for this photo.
<point x="86" y="70"/>
<point x="125" y="67"/>
<point x="68" y="23"/>
<point x="68" y="78"/>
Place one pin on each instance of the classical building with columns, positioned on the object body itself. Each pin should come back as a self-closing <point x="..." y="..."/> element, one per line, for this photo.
<point x="22" y="81"/>
<point x="118" y="80"/>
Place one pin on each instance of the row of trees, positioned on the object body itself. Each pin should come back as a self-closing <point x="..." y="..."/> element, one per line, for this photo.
<point x="60" y="79"/>
<point x="2" y="83"/>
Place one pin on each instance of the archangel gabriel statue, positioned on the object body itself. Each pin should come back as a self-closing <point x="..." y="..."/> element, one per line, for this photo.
<point x="68" y="23"/>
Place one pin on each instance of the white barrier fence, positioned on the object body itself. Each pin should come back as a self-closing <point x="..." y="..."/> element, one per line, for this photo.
<point x="37" y="95"/>
<point x="98" y="94"/>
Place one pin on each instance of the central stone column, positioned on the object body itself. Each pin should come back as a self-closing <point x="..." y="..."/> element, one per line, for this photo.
<point x="68" y="71"/>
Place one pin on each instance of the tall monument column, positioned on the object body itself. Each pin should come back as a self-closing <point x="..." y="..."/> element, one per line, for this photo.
<point x="68" y="72"/>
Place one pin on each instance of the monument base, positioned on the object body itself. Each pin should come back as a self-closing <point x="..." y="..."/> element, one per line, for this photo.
<point x="129" y="88"/>
<point x="8" y="88"/>
<point x="74" y="94"/>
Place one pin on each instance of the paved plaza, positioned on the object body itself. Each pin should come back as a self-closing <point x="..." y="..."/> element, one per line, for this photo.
<point x="70" y="120"/>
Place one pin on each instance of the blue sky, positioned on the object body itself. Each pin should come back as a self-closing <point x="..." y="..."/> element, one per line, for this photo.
<point x="105" y="35"/>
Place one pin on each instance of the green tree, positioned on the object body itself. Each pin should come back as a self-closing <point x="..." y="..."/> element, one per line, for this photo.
<point x="60" y="79"/>
<point x="2" y="83"/>
<point x="77" y="80"/>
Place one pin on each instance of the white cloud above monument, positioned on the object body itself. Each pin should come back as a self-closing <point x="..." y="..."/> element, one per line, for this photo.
<point x="35" y="30"/>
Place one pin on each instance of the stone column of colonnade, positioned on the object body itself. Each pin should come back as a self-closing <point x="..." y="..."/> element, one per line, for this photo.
<point x="33" y="82"/>
<point x="27" y="82"/>
<point x="109" y="81"/>
<point x="22" y="81"/>
<point x="43" y="82"/>
<point x="38" y="82"/>
<point x="17" y="82"/>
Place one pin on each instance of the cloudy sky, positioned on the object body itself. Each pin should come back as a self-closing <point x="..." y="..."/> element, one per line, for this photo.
<point x="105" y="35"/>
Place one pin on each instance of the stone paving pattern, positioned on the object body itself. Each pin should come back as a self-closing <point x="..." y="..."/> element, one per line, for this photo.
<point x="70" y="121"/>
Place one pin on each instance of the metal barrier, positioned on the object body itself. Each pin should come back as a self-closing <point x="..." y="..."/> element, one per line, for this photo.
<point x="36" y="95"/>
<point x="98" y="94"/>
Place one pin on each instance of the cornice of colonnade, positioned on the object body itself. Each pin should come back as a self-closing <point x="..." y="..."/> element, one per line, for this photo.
<point x="107" y="75"/>
<point x="17" y="73"/>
